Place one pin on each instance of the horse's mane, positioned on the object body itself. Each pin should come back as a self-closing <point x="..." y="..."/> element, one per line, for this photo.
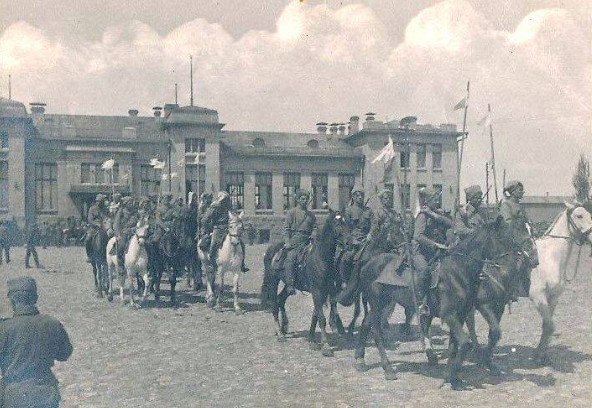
<point x="555" y="221"/>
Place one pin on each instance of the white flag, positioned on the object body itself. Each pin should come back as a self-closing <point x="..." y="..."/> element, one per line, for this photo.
<point x="196" y="160"/>
<point x="153" y="161"/>
<point x="485" y="121"/>
<point x="387" y="153"/>
<point x="164" y="176"/>
<point x="124" y="176"/>
<point x="174" y="174"/>
<point x="108" y="165"/>
<point x="159" y="165"/>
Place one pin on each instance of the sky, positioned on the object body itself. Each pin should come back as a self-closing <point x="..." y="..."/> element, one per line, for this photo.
<point x="286" y="65"/>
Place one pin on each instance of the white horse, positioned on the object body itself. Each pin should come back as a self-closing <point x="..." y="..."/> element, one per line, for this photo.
<point x="230" y="258"/>
<point x="136" y="262"/>
<point x="113" y="266"/>
<point x="571" y="227"/>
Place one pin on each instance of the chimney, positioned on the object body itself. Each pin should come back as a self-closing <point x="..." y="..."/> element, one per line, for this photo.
<point x="333" y="129"/>
<point x="322" y="128"/>
<point x="37" y="112"/>
<point x="157" y="111"/>
<point x="370" y="117"/>
<point x="133" y="113"/>
<point x="341" y="129"/>
<point x="354" y="125"/>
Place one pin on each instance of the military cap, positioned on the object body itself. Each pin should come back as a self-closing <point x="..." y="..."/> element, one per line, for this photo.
<point x="203" y="196"/>
<point x="384" y="192"/>
<point x="426" y="192"/>
<point x="357" y="188"/>
<point x="100" y="197"/>
<point x="473" y="191"/>
<point x="116" y="196"/>
<point x="23" y="283"/>
<point x="301" y="192"/>
<point x="512" y="185"/>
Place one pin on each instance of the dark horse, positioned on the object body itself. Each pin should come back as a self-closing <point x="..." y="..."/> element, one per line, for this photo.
<point x="454" y="296"/>
<point x="97" y="253"/>
<point x="167" y="256"/>
<point x="317" y="276"/>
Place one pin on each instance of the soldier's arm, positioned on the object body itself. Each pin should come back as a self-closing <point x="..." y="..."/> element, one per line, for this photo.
<point x="62" y="346"/>
<point x="288" y="226"/>
<point x="460" y="228"/>
<point x="506" y="212"/>
<point x="419" y="233"/>
<point x="375" y="222"/>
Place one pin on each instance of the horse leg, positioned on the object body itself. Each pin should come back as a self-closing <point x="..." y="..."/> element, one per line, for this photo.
<point x="359" y="363"/>
<point x="96" y="278"/>
<point x="406" y="329"/>
<point x="173" y="283"/>
<point x="462" y="345"/>
<point x="235" y="288"/>
<point x="131" y="276"/>
<point x="319" y="300"/>
<point x="312" y="342"/>
<point x="210" y="285"/>
<point x="376" y="327"/>
<point x="146" y="279"/>
<point x="282" y="297"/>
<point x="335" y="320"/>
<point x="425" y="322"/>
<point x="275" y="312"/>
<point x="220" y="287"/>
<point x="545" y="309"/>
<point x="495" y="333"/>
<point x="121" y="279"/>
<point x="357" y="311"/>
<point x="470" y="321"/>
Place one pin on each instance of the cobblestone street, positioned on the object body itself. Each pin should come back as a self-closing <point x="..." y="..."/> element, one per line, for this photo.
<point x="192" y="356"/>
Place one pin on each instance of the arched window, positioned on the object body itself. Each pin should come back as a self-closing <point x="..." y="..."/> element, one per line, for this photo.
<point x="313" y="144"/>
<point x="258" y="142"/>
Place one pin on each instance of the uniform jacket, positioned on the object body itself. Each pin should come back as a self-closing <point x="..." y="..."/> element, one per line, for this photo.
<point x="517" y="220"/>
<point x="428" y="232"/>
<point x="359" y="220"/>
<point x="216" y="217"/>
<point x="298" y="227"/>
<point x="467" y="219"/>
<point x="387" y="228"/>
<point x="95" y="216"/>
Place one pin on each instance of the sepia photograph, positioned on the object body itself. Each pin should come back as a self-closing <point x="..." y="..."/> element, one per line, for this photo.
<point x="295" y="203"/>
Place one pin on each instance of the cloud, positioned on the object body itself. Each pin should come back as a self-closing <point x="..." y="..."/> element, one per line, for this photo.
<point x="328" y="64"/>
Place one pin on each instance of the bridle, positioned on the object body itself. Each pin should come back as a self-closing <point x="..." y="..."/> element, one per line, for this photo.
<point x="575" y="235"/>
<point x="236" y="234"/>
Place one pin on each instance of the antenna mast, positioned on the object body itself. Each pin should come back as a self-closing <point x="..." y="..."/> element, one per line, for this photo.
<point x="191" y="67"/>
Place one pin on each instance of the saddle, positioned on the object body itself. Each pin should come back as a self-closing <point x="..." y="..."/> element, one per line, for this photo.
<point x="278" y="260"/>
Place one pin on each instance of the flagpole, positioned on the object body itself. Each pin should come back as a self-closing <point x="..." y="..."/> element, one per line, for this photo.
<point x="462" y="147"/>
<point x="492" y="153"/>
<point x="487" y="180"/>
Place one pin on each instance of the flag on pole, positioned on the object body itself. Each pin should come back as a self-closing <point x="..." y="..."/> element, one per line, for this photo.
<point x="174" y="174"/>
<point x="485" y="121"/>
<point x="164" y="176"/>
<point x="153" y="161"/>
<point x="462" y="104"/>
<point x="108" y="165"/>
<point x="197" y="159"/>
<point x="387" y="153"/>
<point x="124" y="176"/>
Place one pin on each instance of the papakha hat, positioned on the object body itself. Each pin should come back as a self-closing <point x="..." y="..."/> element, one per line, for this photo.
<point x="512" y="185"/>
<point x="473" y="191"/>
<point x="23" y="283"/>
<point x="301" y="192"/>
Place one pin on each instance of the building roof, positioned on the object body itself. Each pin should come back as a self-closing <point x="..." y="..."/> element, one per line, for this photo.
<point x="192" y="115"/>
<point x="11" y="108"/>
<point x="287" y="144"/>
<point x="98" y="127"/>
<point x="546" y="199"/>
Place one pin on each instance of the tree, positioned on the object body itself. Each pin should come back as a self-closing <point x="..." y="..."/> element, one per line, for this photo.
<point x="581" y="180"/>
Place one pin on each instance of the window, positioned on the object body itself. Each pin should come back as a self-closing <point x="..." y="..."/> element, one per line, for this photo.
<point x="437" y="156"/>
<point x="3" y="184"/>
<point x="263" y="189"/>
<point x="195" y="179"/>
<point x="235" y="186"/>
<point x="320" y="187"/>
<point x="4" y="139"/>
<point x="195" y="145"/>
<point x="404" y="159"/>
<point x="346" y="184"/>
<point x="291" y="184"/>
<point x="421" y="156"/>
<point x="313" y="144"/>
<point x="406" y="196"/>
<point x="93" y="173"/>
<point x="438" y="191"/>
<point x="46" y="186"/>
<point x="258" y="142"/>
<point x="391" y="188"/>
<point x="149" y="180"/>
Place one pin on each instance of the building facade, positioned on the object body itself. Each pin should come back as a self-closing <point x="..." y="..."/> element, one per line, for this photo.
<point x="50" y="165"/>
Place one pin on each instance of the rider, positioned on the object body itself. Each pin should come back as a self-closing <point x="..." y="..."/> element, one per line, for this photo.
<point x="523" y="242"/>
<point x="164" y="220"/>
<point x="359" y="218"/>
<point x="123" y="225"/>
<point x="428" y="241"/>
<point x="386" y="232"/>
<point x="95" y="219"/>
<point x="472" y="215"/>
<point x="215" y="223"/>
<point x="205" y="200"/>
<point x="298" y="229"/>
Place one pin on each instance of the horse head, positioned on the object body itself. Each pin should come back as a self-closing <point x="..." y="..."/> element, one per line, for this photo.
<point x="579" y="223"/>
<point x="141" y="233"/>
<point x="235" y="227"/>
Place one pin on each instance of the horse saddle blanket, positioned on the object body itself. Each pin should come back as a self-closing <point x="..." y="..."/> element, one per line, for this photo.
<point x="394" y="272"/>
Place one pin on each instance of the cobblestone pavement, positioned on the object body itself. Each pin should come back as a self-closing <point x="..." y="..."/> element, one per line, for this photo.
<point x="195" y="357"/>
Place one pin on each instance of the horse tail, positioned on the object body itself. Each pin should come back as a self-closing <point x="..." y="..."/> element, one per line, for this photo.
<point x="351" y="292"/>
<point x="270" y="281"/>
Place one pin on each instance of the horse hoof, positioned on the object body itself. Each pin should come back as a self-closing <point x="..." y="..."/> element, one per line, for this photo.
<point x="314" y="346"/>
<point x="239" y="311"/>
<point x="390" y="375"/>
<point x="218" y="308"/>
<point x="99" y="295"/>
<point x="281" y="338"/>
<point x="432" y="357"/>
<point x="326" y="351"/>
<point x="457" y="384"/>
<point x="494" y="370"/>
<point x="360" y="365"/>
<point x="110" y="298"/>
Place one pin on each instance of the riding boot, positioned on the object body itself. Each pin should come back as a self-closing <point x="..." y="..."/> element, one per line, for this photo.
<point x="87" y="245"/>
<point x="243" y="266"/>
<point x="290" y="281"/>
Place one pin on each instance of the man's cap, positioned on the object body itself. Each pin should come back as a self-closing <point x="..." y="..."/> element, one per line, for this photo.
<point x="357" y="188"/>
<point x="473" y="191"/>
<point x="23" y="283"/>
<point x="301" y="192"/>
<point x="512" y="185"/>
<point x="100" y="197"/>
<point x="116" y="196"/>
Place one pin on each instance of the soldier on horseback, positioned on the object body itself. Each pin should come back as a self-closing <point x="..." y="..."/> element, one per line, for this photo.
<point x="523" y="242"/>
<point x="95" y="218"/>
<point x="124" y="226"/>
<point x="164" y="220"/>
<point x="429" y="242"/>
<point x="215" y="224"/>
<point x="298" y="229"/>
<point x="386" y="232"/>
<point x="472" y="215"/>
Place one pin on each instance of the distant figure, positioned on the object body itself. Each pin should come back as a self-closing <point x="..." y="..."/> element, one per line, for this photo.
<point x="4" y="241"/>
<point x="43" y="234"/>
<point x="31" y="239"/>
<point x="29" y="344"/>
<point x="251" y="234"/>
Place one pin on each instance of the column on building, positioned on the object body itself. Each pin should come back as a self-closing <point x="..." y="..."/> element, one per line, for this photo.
<point x="249" y="193"/>
<point x="177" y="169"/>
<point x="212" y="162"/>
<point x="277" y="193"/>
<point x="333" y="193"/>
<point x="16" y="177"/>
<point x="306" y="181"/>
<point x="412" y="179"/>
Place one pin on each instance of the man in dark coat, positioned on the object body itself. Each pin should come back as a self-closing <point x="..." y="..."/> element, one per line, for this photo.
<point x="5" y="241"/>
<point x="472" y="215"/>
<point x="95" y="218"/>
<point x="386" y="228"/>
<point x="29" y="344"/>
<point x="32" y="239"/>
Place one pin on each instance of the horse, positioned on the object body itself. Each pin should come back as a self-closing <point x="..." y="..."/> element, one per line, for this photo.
<point x="452" y="299"/>
<point x="168" y="256"/>
<point x="318" y="276"/>
<point x="571" y="227"/>
<point x="98" y="260"/>
<point x="229" y="258"/>
<point x="136" y="262"/>
<point x="113" y="267"/>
